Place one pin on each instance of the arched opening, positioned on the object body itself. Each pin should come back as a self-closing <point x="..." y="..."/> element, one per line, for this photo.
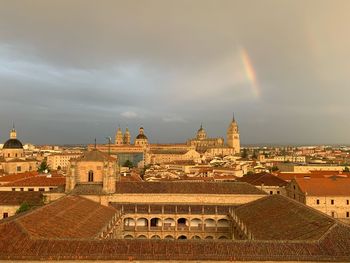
<point x="196" y="237"/>
<point x="182" y="223"/>
<point x="142" y="237"/>
<point x="129" y="223"/>
<point x="223" y="237"/>
<point x="182" y="237"/>
<point x="168" y="223"/>
<point x="155" y="222"/>
<point x="128" y="237"/>
<point x="196" y="222"/>
<point x="169" y="237"/>
<point x="209" y="237"/>
<point x="90" y="176"/>
<point x="209" y="223"/>
<point x="155" y="237"/>
<point x="142" y="222"/>
<point x="223" y="223"/>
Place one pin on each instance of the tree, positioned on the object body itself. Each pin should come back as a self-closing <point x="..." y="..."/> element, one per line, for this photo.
<point x="274" y="169"/>
<point x="128" y="163"/>
<point x="23" y="208"/>
<point x="43" y="167"/>
<point x="346" y="169"/>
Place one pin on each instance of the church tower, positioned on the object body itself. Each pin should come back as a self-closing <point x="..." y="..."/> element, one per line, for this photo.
<point x="13" y="133"/>
<point x="127" y="137"/>
<point x="119" y="137"/>
<point x="233" y="136"/>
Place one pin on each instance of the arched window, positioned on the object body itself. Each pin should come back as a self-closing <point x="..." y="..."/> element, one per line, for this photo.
<point x="90" y="176"/>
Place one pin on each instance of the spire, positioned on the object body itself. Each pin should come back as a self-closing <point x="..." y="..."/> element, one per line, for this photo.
<point x="233" y="117"/>
<point x="201" y="128"/>
<point x="95" y="144"/>
<point x="13" y="133"/>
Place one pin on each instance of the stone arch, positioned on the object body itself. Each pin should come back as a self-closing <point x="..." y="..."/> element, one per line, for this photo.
<point x="155" y="221"/>
<point x="182" y="222"/>
<point x="169" y="237"/>
<point x="195" y="222"/>
<point x="182" y="237"/>
<point x="169" y="222"/>
<point x="223" y="223"/>
<point x="142" y="222"/>
<point x="209" y="237"/>
<point x="209" y="222"/>
<point x="129" y="221"/>
<point x="128" y="237"/>
<point x="196" y="237"/>
<point x="155" y="237"/>
<point x="142" y="237"/>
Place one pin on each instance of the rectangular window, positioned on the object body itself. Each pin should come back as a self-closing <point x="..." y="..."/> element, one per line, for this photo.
<point x="332" y="213"/>
<point x="318" y="201"/>
<point x="5" y="215"/>
<point x="278" y="192"/>
<point x="271" y="192"/>
<point x="347" y="202"/>
<point x="19" y="168"/>
<point x="332" y="202"/>
<point x="31" y="189"/>
<point x="22" y="189"/>
<point x="294" y="196"/>
<point x="41" y="189"/>
<point x="347" y="214"/>
<point x="51" y="188"/>
<point x="13" y="189"/>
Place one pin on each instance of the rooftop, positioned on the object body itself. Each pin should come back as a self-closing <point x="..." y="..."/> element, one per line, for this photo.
<point x="330" y="186"/>
<point x="17" y="198"/>
<point x="263" y="178"/>
<point x="39" y="180"/>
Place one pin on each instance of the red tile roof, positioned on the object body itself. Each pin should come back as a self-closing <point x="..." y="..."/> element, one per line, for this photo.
<point x="40" y="180"/>
<point x="262" y="178"/>
<point x="17" y="198"/>
<point x="334" y="186"/>
<point x="69" y="217"/>
<point x="16" y="177"/>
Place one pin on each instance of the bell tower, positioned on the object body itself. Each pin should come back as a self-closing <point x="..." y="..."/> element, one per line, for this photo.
<point x="119" y="137"/>
<point x="233" y="136"/>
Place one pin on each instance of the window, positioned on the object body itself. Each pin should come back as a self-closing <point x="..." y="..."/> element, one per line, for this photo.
<point x="19" y="168"/>
<point x="347" y="214"/>
<point x="5" y="215"/>
<point x="8" y="155"/>
<point x="294" y="187"/>
<point x="318" y="201"/>
<point x="16" y="154"/>
<point x="90" y="176"/>
<point x="278" y="192"/>
<point x="22" y="189"/>
<point x="51" y="188"/>
<point x="31" y="189"/>
<point x="347" y="202"/>
<point x="42" y="189"/>
<point x="332" y="214"/>
<point x="271" y="192"/>
<point x="332" y="202"/>
<point x="294" y="196"/>
<point x="13" y="189"/>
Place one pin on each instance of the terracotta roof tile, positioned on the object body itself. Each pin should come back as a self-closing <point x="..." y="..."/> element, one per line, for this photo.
<point x="334" y="186"/>
<point x="17" y="198"/>
<point x="40" y="180"/>
<point x="263" y="178"/>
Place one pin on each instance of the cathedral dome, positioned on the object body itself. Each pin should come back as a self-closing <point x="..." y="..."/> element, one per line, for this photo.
<point x="13" y="144"/>
<point x="141" y="136"/>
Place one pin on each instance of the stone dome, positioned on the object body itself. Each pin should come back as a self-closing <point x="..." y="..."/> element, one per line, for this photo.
<point x="141" y="136"/>
<point x="13" y="144"/>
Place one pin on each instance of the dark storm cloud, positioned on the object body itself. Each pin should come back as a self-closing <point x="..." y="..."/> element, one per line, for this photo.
<point x="73" y="70"/>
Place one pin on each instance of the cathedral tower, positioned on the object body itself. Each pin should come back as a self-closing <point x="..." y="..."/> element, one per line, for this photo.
<point x="119" y="137"/>
<point x="127" y="137"/>
<point x="201" y="134"/>
<point x="233" y="136"/>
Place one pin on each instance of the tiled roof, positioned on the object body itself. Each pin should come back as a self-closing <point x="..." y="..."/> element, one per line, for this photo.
<point x="95" y="156"/>
<point x="69" y="217"/>
<point x="333" y="186"/>
<point x="263" y="178"/>
<point x="280" y="218"/>
<point x="187" y="188"/>
<point x="40" y="180"/>
<point x="15" y="177"/>
<point x="169" y="151"/>
<point x="312" y="174"/>
<point x="17" y="198"/>
<point x="15" y="244"/>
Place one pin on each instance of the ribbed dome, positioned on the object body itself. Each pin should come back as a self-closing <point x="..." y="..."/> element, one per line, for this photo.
<point x="141" y="136"/>
<point x="13" y="144"/>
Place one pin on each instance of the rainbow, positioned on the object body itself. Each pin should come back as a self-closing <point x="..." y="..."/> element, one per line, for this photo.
<point x="250" y="72"/>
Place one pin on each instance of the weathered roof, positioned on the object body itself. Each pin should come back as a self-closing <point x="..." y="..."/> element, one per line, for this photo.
<point x="17" y="198"/>
<point x="280" y="218"/>
<point x="13" y="144"/>
<point x="187" y="188"/>
<point x="262" y="178"/>
<point x="95" y="156"/>
<point x="40" y="180"/>
<point x="332" y="186"/>
<point x="69" y="217"/>
<point x="88" y="189"/>
<point x="15" y="177"/>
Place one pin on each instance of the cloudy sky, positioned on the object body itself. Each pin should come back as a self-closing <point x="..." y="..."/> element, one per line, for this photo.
<point x="74" y="70"/>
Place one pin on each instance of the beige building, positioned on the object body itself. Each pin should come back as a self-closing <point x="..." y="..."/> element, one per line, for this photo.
<point x="167" y="156"/>
<point x="13" y="159"/>
<point x="60" y="161"/>
<point x="329" y="195"/>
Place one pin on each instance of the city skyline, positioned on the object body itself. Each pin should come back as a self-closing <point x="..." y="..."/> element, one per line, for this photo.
<point x="70" y="72"/>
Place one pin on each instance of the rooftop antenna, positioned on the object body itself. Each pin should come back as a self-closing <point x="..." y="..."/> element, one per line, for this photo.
<point x="95" y="144"/>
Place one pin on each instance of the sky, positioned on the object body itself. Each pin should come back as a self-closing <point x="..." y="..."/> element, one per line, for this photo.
<point x="75" y="70"/>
